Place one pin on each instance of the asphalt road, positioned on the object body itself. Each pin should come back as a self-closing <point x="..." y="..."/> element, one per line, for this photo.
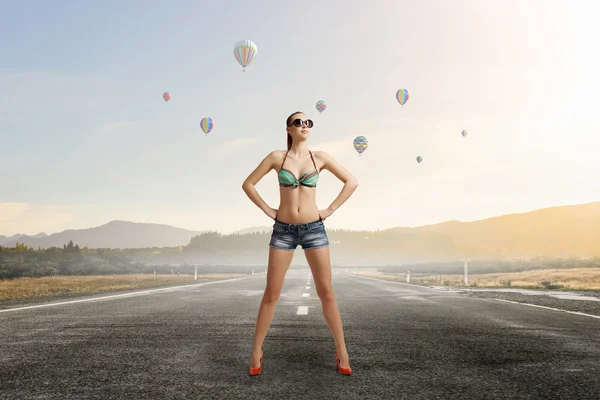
<point x="194" y="342"/>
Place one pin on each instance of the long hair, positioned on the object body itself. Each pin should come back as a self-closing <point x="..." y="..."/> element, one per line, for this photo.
<point x="287" y="123"/>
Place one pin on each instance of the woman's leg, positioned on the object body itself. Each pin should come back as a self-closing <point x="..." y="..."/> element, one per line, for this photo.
<point x="320" y="264"/>
<point x="279" y="262"/>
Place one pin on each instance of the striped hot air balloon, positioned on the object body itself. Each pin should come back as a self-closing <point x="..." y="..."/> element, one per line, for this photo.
<point x="245" y="52"/>
<point x="207" y="124"/>
<point x="402" y="96"/>
<point x="360" y="144"/>
<point x="321" y="106"/>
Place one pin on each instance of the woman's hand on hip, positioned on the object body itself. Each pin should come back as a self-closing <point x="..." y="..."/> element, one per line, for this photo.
<point x="272" y="213"/>
<point x="324" y="214"/>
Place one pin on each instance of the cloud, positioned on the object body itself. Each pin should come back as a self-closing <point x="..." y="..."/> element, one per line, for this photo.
<point x="51" y="93"/>
<point x="236" y="145"/>
<point x="115" y="126"/>
<point x="31" y="219"/>
<point x="335" y="148"/>
<point x="9" y="211"/>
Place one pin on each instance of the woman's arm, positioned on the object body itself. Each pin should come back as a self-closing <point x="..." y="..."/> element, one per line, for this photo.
<point x="266" y="165"/>
<point x="350" y="182"/>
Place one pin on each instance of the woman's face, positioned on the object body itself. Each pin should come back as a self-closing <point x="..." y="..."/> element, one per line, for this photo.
<point x="300" y="127"/>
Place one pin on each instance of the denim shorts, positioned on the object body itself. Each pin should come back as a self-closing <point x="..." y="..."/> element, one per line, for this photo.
<point x="288" y="236"/>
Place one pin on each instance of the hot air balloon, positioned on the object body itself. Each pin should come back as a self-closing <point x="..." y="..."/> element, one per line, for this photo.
<point x="464" y="132"/>
<point x="167" y="96"/>
<point x="245" y="52"/>
<point x="321" y="106"/>
<point x="402" y="96"/>
<point x="207" y="124"/>
<point x="360" y="144"/>
<point x="419" y="159"/>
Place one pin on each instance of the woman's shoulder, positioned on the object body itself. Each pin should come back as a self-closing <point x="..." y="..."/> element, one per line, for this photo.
<point x="276" y="155"/>
<point x="321" y="155"/>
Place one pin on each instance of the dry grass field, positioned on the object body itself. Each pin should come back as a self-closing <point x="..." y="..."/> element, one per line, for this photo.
<point x="569" y="279"/>
<point x="22" y="288"/>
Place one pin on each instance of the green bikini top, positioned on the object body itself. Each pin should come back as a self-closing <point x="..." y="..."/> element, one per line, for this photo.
<point x="287" y="178"/>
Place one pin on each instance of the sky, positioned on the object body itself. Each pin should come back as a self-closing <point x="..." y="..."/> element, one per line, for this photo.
<point x="86" y="138"/>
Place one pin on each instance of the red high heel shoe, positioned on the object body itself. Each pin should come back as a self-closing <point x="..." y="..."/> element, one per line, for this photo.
<point x="256" y="371"/>
<point x="344" y="371"/>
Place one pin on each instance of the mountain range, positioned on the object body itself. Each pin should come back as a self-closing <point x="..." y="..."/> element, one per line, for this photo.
<point x="563" y="230"/>
<point x="15" y="238"/>
<point x="115" y="235"/>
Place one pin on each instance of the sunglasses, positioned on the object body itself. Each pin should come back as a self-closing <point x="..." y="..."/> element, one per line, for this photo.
<point x="298" y="123"/>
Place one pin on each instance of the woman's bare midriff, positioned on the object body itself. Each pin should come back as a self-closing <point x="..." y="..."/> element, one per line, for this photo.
<point x="297" y="205"/>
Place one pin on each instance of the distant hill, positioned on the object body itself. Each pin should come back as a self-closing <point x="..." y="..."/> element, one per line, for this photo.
<point x="115" y="234"/>
<point x="6" y="239"/>
<point x="556" y="232"/>
<point x="572" y="230"/>
<point x="253" y="229"/>
<point x="13" y="238"/>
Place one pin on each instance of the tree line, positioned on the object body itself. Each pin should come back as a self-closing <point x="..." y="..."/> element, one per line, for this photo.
<point x="396" y="251"/>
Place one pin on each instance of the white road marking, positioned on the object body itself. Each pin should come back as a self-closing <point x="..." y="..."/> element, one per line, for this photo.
<point x="550" y="308"/>
<point x="413" y="298"/>
<point x="302" y="310"/>
<point x="308" y="287"/>
<point x="305" y="294"/>
<point x="385" y="280"/>
<point x="116" y="296"/>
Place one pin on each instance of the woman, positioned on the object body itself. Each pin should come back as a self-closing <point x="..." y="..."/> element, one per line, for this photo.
<point x="298" y="221"/>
